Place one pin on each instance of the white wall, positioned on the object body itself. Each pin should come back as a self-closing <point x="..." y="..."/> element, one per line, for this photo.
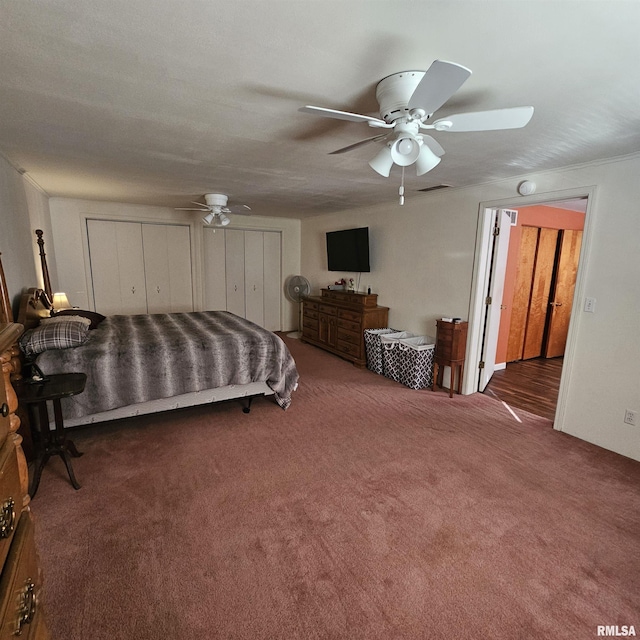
<point x="18" y="197"/>
<point x="69" y="237"/>
<point x="422" y="258"/>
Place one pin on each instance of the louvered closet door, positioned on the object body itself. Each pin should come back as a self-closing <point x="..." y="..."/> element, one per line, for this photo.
<point x="117" y="267"/>
<point x="167" y="259"/>
<point x="234" y="264"/>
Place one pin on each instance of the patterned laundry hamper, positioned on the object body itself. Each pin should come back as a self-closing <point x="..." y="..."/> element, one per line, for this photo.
<point x="373" y="347"/>
<point x="415" y="361"/>
<point x="391" y="354"/>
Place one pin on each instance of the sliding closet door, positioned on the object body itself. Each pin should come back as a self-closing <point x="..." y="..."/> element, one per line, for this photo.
<point x="167" y="258"/>
<point x="117" y="267"/>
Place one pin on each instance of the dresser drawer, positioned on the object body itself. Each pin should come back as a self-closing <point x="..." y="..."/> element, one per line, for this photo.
<point x="20" y="587"/>
<point x="310" y="323"/>
<point x="350" y="326"/>
<point x="330" y="310"/>
<point x="349" y="336"/>
<point x="349" y="349"/>
<point x="10" y="496"/>
<point x="347" y="314"/>
<point x="310" y="313"/>
<point x="309" y="304"/>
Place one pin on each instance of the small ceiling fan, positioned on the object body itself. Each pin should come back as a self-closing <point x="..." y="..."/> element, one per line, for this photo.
<point x="216" y="209"/>
<point x="407" y="101"/>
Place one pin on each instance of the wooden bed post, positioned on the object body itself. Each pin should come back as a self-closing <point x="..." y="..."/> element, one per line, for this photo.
<point x="45" y="269"/>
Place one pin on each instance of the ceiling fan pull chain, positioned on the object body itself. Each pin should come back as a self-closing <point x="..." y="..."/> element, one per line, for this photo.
<point x="401" y="189"/>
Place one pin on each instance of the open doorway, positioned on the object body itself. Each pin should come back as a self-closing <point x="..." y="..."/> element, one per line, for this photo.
<point x="525" y="361"/>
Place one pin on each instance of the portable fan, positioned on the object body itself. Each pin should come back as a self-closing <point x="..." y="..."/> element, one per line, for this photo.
<point x="297" y="288"/>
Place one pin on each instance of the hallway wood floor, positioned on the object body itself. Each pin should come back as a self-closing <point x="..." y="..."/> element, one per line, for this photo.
<point x="531" y="385"/>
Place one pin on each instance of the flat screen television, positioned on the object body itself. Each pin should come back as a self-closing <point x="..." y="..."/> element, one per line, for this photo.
<point x="348" y="250"/>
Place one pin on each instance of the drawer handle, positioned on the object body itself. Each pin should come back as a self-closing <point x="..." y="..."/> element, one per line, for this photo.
<point x="5" y="409"/>
<point x="7" y="518"/>
<point x="27" y="607"/>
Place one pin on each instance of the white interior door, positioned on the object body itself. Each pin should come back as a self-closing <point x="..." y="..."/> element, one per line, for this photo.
<point x="234" y="264"/>
<point x="117" y="267"/>
<point x="272" y="281"/>
<point x="214" y="278"/>
<point x="254" y="276"/>
<point x="502" y="226"/>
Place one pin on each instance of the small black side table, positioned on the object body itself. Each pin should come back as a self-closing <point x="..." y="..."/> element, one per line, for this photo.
<point x="48" y="442"/>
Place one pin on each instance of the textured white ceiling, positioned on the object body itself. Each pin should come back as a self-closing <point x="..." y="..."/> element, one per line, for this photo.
<point x="159" y="102"/>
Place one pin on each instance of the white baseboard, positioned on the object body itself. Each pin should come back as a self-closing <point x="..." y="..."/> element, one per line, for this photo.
<point x="500" y="367"/>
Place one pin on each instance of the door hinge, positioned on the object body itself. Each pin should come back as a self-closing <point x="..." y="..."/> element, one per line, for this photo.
<point x="481" y="364"/>
<point x="487" y="300"/>
<point x="496" y="231"/>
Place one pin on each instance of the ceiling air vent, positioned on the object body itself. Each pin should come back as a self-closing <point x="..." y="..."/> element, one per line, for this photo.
<point x="438" y="186"/>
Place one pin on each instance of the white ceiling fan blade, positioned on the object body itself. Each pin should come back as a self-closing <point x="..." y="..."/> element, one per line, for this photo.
<point x="433" y="144"/>
<point x="493" y="120"/>
<point x="355" y="145"/>
<point x="239" y="209"/>
<point x="438" y="84"/>
<point x="187" y="209"/>
<point x="340" y="115"/>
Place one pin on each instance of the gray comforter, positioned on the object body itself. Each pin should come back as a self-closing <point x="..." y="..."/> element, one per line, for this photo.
<point x="131" y="359"/>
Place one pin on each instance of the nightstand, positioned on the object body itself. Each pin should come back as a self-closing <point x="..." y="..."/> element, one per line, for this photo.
<point x="48" y="442"/>
<point x="451" y="345"/>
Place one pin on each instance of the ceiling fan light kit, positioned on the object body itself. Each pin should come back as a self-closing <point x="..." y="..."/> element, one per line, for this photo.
<point x="407" y="100"/>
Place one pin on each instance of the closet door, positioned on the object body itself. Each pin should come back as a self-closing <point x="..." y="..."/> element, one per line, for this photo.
<point x="215" y="287"/>
<point x="167" y="259"/>
<point x="272" y="281"/>
<point x="117" y="267"/>
<point x="234" y="264"/>
<point x="254" y="276"/>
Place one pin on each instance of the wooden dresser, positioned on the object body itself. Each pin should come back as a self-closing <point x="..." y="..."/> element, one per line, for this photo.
<point x="336" y="320"/>
<point x="20" y="581"/>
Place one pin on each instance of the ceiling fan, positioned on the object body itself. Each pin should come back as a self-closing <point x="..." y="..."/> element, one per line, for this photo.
<point x="216" y="209"/>
<point x="407" y="101"/>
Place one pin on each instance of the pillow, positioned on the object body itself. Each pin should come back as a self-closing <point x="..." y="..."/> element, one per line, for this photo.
<point x="66" y="318"/>
<point x="53" y="335"/>
<point x="96" y="318"/>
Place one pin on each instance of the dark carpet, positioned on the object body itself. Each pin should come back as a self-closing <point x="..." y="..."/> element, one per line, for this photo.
<point x="365" y="511"/>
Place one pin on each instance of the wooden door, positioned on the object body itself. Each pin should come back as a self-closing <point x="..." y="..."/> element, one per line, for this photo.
<point x="522" y="292"/>
<point x="254" y="276"/>
<point x="540" y="290"/>
<point x="234" y="264"/>
<point x="214" y="277"/>
<point x="117" y="267"/>
<point x="561" y="301"/>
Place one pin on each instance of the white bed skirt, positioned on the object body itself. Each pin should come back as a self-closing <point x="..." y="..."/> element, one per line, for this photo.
<point x="193" y="399"/>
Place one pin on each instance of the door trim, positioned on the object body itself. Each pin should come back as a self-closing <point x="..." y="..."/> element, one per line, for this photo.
<point x="480" y="275"/>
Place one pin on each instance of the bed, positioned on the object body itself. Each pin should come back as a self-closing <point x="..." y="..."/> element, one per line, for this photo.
<point x="154" y="362"/>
